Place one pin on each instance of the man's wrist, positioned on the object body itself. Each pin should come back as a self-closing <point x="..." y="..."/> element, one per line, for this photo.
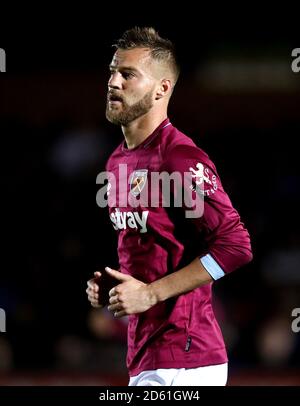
<point x="152" y="295"/>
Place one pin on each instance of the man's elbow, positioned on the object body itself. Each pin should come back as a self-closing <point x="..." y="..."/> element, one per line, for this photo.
<point x="237" y="258"/>
<point x="246" y="256"/>
<point x="231" y="257"/>
<point x="243" y="248"/>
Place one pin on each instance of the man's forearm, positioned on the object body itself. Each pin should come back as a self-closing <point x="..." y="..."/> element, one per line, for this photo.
<point x="186" y="279"/>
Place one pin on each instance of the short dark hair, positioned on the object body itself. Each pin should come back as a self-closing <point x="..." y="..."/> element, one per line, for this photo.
<point x="161" y="49"/>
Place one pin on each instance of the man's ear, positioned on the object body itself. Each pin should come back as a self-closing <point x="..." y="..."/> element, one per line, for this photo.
<point x="164" y="88"/>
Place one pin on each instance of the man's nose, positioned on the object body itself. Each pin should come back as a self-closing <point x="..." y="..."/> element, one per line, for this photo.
<point x="114" y="81"/>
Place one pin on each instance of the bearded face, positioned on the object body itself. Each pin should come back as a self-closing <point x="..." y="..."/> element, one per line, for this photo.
<point x="120" y="112"/>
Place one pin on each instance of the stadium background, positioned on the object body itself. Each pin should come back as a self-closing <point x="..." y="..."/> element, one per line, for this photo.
<point x="237" y="98"/>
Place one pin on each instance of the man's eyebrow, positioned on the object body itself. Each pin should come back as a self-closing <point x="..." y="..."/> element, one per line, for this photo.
<point x="128" y="68"/>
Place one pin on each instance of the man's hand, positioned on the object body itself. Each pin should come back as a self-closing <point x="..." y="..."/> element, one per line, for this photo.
<point x="93" y="290"/>
<point x="131" y="296"/>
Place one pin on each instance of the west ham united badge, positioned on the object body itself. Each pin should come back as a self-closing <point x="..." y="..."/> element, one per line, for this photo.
<point x="137" y="181"/>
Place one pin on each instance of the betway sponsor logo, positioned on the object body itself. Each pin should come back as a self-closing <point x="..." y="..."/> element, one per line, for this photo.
<point x="129" y="219"/>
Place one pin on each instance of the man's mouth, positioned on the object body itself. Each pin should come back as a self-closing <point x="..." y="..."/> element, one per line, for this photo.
<point x="114" y="98"/>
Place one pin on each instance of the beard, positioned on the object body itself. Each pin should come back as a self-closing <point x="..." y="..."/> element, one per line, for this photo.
<point x="129" y="113"/>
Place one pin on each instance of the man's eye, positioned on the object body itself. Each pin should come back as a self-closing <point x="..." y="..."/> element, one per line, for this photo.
<point x="128" y="75"/>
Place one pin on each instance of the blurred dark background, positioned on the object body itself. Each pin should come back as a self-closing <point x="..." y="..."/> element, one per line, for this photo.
<point x="239" y="100"/>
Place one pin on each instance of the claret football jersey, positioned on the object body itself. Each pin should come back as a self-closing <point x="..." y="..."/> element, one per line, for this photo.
<point x="159" y="232"/>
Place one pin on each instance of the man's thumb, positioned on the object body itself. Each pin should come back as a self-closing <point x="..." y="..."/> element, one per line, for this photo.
<point x="116" y="274"/>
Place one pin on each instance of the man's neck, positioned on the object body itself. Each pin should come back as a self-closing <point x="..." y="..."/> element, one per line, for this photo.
<point x="137" y="131"/>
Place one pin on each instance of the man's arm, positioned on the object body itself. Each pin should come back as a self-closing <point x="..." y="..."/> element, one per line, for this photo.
<point x="186" y="279"/>
<point x="132" y="296"/>
<point x="227" y="240"/>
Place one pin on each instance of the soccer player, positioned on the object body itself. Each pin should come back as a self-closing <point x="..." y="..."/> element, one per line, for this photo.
<point x="166" y="269"/>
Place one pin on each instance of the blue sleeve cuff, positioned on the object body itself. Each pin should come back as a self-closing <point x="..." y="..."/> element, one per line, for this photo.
<point x="212" y="267"/>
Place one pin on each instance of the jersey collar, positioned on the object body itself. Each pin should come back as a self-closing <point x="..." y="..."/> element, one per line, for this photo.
<point x="149" y="139"/>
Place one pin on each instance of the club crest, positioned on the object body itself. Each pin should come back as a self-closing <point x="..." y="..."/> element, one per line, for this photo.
<point x="137" y="181"/>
